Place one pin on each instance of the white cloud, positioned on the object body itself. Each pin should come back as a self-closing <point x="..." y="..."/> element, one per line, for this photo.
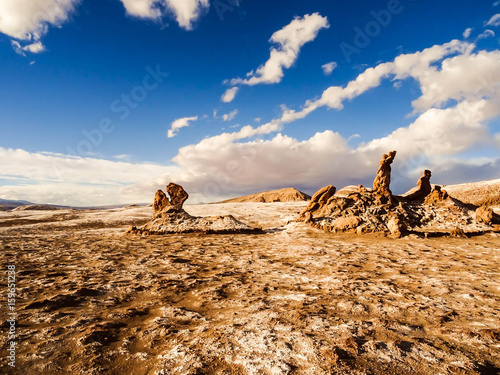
<point x="467" y="33"/>
<point x="179" y="124"/>
<point x="61" y="179"/>
<point x="494" y="21"/>
<point x="36" y="47"/>
<point x="290" y="39"/>
<point x="329" y="68"/>
<point x="185" y="12"/>
<point x="496" y="3"/>
<point x="230" y="116"/>
<point x="30" y="19"/>
<point x="230" y="94"/>
<point x="486" y="34"/>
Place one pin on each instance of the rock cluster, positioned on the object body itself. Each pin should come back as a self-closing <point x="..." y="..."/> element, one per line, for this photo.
<point x="170" y="217"/>
<point x="377" y="210"/>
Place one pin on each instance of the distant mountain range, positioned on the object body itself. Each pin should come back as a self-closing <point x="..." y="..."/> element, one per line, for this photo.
<point x="12" y="204"/>
<point x="9" y="204"/>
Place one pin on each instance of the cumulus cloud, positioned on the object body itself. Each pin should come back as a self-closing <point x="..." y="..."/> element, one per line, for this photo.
<point x="230" y="94"/>
<point x="61" y="179"/>
<point x="289" y="40"/>
<point x="29" y="20"/>
<point x="179" y="124"/>
<point x="230" y="116"/>
<point x="185" y="12"/>
<point x="329" y="68"/>
<point x="494" y="21"/>
<point x="467" y="33"/>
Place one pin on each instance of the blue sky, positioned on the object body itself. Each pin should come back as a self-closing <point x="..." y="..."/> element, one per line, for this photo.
<point x="69" y="135"/>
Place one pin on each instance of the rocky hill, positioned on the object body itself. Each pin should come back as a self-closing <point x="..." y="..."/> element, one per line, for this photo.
<point x="282" y="195"/>
<point x="484" y="193"/>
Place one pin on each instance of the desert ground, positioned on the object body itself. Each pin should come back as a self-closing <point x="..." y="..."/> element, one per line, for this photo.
<point x="295" y="300"/>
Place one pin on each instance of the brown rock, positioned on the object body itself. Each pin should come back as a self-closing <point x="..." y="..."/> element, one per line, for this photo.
<point x="396" y="226"/>
<point x="382" y="181"/>
<point x="318" y="202"/>
<point x="322" y="195"/>
<point x="160" y="202"/>
<point x="177" y="194"/>
<point x="346" y="223"/>
<point x="437" y="196"/>
<point x="458" y="232"/>
<point x="424" y="187"/>
<point x="487" y="216"/>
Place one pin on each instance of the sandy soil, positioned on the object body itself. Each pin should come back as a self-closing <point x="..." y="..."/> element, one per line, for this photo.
<point x="293" y="301"/>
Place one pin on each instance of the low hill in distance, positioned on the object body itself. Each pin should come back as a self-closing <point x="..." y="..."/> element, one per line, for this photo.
<point x="484" y="193"/>
<point x="282" y="195"/>
<point x="11" y="204"/>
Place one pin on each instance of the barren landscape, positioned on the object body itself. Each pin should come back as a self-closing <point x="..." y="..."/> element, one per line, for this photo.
<point x="294" y="300"/>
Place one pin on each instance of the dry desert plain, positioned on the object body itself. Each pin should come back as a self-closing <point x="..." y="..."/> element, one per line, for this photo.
<point x="295" y="300"/>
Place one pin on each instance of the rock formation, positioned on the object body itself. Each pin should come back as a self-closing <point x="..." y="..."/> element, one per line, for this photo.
<point x="177" y="195"/>
<point x="487" y="215"/>
<point x="361" y="210"/>
<point x="382" y="181"/>
<point x="424" y="187"/>
<point x="160" y="202"/>
<point x="177" y="198"/>
<point x="318" y="201"/>
<point x="169" y="218"/>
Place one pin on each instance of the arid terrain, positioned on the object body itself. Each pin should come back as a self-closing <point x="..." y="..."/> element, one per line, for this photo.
<point x="295" y="300"/>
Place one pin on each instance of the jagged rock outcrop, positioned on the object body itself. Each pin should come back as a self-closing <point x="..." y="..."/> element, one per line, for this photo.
<point x="177" y="195"/>
<point x="361" y="210"/>
<point x="424" y="187"/>
<point x="319" y="200"/>
<point x="382" y="181"/>
<point x="161" y="201"/>
<point x="177" y="198"/>
<point x="487" y="216"/>
<point x="439" y="197"/>
<point x="170" y="218"/>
